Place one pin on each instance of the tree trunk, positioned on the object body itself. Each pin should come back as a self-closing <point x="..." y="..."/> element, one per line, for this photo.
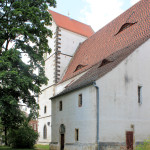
<point x="6" y="136"/>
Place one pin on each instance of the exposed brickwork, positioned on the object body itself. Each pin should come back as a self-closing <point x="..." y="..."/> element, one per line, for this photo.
<point x="34" y="125"/>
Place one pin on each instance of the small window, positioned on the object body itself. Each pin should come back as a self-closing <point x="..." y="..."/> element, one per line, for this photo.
<point x="76" y="134"/>
<point x="79" y="67"/>
<point x="45" y="109"/>
<point x="140" y="94"/>
<point x="48" y="123"/>
<point x="80" y="100"/>
<point x="60" y="106"/>
<point x="125" y="26"/>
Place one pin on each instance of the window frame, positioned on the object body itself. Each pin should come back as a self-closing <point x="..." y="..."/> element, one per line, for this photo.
<point x="139" y="90"/>
<point x="60" y="105"/>
<point x="80" y="100"/>
<point x="76" y="134"/>
<point x="45" y="109"/>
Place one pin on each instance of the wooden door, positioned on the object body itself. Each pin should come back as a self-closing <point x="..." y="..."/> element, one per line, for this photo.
<point x="129" y="140"/>
<point x="62" y="142"/>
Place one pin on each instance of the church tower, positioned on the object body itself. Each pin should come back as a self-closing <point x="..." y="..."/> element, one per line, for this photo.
<point x="67" y="36"/>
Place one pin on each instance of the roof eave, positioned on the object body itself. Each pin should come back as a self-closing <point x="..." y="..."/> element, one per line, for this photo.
<point x="74" y="89"/>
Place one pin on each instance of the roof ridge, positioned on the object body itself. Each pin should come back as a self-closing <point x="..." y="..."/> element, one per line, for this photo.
<point x="70" y="18"/>
<point x="72" y="25"/>
<point x="104" y="42"/>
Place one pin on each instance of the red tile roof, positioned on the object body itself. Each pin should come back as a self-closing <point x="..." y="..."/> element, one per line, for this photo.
<point x="71" y="24"/>
<point x="129" y="27"/>
<point x="100" y="69"/>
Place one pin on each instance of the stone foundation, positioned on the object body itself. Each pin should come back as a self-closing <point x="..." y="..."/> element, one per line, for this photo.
<point x="81" y="146"/>
<point x="112" y="146"/>
<point x="74" y="146"/>
<point x="54" y="146"/>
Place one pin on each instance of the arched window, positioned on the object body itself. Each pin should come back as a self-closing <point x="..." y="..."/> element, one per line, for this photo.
<point x="45" y="109"/>
<point x="45" y="132"/>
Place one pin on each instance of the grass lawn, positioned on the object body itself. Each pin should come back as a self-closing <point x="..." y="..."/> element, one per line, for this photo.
<point x="36" y="147"/>
<point x="9" y="148"/>
<point x="41" y="147"/>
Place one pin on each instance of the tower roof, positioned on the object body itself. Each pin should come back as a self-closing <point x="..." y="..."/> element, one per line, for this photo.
<point x="71" y="24"/>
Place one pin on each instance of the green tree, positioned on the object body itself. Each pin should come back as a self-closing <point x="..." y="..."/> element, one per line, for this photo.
<point x="23" y="30"/>
<point x="23" y="137"/>
<point x="1" y="131"/>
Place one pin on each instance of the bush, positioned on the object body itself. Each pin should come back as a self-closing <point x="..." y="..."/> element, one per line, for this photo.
<point x="144" y="146"/>
<point x="24" y="137"/>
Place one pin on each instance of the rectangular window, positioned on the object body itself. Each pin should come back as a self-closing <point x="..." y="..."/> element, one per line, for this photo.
<point x="45" y="109"/>
<point x="76" y="134"/>
<point x="80" y="100"/>
<point x="60" y="106"/>
<point x="140" y="94"/>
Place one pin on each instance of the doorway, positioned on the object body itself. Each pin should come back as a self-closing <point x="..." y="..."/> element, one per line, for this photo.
<point x="62" y="141"/>
<point x="129" y="140"/>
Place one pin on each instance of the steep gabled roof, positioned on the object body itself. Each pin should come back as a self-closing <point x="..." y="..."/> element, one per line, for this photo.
<point x="71" y="24"/>
<point x="129" y="27"/>
<point x="100" y="69"/>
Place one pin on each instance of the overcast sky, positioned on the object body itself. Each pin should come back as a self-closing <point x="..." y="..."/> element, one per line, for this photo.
<point x="96" y="13"/>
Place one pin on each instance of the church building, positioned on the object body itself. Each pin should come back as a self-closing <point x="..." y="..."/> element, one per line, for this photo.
<point x="101" y="100"/>
<point x="68" y="34"/>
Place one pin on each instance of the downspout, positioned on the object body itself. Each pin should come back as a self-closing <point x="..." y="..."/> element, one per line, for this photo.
<point x="97" y="98"/>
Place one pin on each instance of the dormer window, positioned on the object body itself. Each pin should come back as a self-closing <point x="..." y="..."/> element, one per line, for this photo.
<point x="125" y="26"/>
<point x="79" y="67"/>
<point x="104" y="62"/>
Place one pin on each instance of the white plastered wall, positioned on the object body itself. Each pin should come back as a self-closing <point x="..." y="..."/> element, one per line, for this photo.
<point x="49" y="71"/>
<point x="44" y="118"/>
<point x="68" y="43"/>
<point x="119" y="107"/>
<point x="60" y="87"/>
<point x="47" y="91"/>
<point x="72" y="116"/>
<point x="51" y="41"/>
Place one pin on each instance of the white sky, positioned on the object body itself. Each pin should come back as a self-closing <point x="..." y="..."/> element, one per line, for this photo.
<point x="103" y="11"/>
<point x="96" y="13"/>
